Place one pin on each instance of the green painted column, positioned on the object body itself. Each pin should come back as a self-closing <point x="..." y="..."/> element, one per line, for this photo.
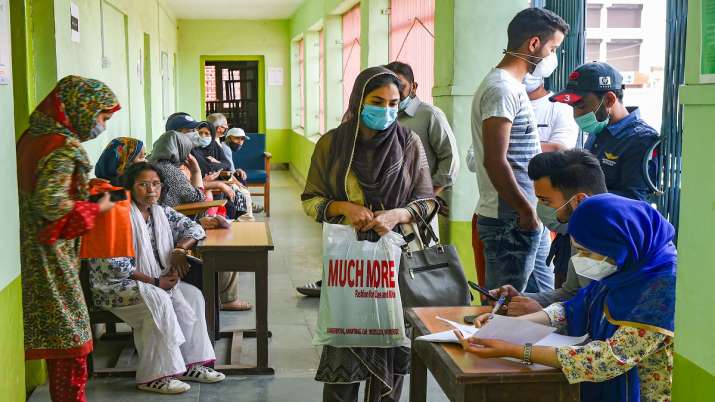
<point x="374" y="29"/>
<point x="333" y="42"/>
<point x="311" y="41"/>
<point x="469" y="38"/>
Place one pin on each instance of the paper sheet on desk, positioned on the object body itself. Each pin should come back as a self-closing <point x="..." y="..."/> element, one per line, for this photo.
<point x="508" y="329"/>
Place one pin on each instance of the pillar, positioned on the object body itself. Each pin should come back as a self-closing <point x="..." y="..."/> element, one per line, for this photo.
<point x="374" y="31"/>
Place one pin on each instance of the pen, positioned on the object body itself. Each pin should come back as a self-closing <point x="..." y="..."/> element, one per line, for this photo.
<point x="498" y="305"/>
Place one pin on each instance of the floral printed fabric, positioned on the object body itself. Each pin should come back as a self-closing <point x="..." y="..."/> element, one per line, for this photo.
<point x="177" y="189"/>
<point x="110" y="278"/>
<point x="651" y="352"/>
<point x="53" y="188"/>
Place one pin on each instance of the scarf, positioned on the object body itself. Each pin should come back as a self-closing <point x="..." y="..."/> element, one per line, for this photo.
<point x="213" y="150"/>
<point x="163" y="305"/>
<point x="391" y="167"/>
<point x="116" y="157"/>
<point x="173" y="147"/>
<point x="640" y="294"/>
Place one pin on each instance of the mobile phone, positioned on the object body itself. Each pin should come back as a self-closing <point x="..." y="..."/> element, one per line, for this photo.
<point x="114" y="196"/>
<point x="482" y="291"/>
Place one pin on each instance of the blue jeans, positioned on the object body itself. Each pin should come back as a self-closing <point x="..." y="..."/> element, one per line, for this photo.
<point x="509" y="252"/>
<point x="542" y="277"/>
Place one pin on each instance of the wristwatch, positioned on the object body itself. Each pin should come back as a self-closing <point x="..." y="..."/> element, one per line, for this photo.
<point x="526" y="358"/>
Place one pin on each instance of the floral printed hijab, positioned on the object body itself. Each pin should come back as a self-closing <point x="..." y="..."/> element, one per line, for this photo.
<point x="115" y="158"/>
<point x="72" y="108"/>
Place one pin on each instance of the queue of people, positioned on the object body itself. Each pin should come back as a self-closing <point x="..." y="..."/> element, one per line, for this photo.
<point x="609" y="272"/>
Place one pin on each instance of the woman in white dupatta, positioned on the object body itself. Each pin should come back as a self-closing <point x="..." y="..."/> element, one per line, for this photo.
<point x="166" y="314"/>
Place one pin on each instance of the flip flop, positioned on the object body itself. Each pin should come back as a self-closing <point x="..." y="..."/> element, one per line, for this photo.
<point x="237" y="305"/>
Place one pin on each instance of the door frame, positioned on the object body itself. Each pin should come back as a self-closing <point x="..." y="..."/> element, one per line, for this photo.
<point x="261" y="83"/>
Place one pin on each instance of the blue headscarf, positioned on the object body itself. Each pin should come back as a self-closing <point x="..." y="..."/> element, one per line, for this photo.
<point x="640" y="294"/>
<point x="115" y="158"/>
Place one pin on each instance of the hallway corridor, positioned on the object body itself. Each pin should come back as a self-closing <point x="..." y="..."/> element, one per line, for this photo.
<point x="292" y="319"/>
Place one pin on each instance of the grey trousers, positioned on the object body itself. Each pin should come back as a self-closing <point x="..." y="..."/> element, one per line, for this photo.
<point x="374" y="390"/>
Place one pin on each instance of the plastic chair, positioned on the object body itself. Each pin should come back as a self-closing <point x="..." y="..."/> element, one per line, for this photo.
<point x="256" y="162"/>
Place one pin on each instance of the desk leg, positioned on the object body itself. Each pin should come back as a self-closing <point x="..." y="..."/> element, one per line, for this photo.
<point x="418" y="378"/>
<point x="209" y="283"/>
<point x="262" y="311"/>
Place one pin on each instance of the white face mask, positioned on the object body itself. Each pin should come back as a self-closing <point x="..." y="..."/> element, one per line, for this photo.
<point x="592" y="269"/>
<point x="195" y="138"/>
<point x="532" y="83"/>
<point x="546" y="66"/>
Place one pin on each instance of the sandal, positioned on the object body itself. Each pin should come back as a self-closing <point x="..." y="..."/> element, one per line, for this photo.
<point x="311" y="289"/>
<point x="236" y="305"/>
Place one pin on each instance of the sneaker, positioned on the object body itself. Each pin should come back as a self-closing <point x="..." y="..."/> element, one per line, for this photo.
<point x="311" y="289"/>
<point x="166" y="385"/>
<point x="204" y="374"/>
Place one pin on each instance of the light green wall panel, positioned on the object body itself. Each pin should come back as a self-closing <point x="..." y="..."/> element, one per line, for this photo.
<point x="268" y="39"/>
<point x="12" y="382"/>
<point x="690" y="382"/>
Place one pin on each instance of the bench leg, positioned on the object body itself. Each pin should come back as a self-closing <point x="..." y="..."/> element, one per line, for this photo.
<point x="267" y="197"/>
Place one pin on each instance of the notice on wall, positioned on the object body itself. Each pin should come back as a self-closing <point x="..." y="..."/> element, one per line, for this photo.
<point x="74" y="21"/>
<point x="5" y="72"/>
<point x="707" y="41"/>
<point x="275" y="76"/>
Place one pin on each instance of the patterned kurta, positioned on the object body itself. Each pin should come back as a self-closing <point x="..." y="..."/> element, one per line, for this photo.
<point x="110" y="278"/>
<point x="52" y="179"/>
<point x="651" y="352"/>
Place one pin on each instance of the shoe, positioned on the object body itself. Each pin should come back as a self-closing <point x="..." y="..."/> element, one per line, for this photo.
<point x="257" y="209"/>
<point x="199" y="373"/>
<point x="166" y="385"/>
<point x="311" y="289"/>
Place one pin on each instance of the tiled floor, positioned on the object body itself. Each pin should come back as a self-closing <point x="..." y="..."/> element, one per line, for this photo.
<point x="291" y="317"/>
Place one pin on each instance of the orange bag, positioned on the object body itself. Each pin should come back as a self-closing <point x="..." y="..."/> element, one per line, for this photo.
<point x="111" y="235"/>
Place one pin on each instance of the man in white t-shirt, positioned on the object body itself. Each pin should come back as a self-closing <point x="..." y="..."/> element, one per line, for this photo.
<point x="505" y="138"/>
<point x="557" y="128"/>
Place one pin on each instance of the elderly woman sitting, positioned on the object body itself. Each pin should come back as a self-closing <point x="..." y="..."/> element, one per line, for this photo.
<point x="145" y="291"/>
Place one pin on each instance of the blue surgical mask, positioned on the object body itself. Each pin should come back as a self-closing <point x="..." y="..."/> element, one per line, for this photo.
<point x="405" y="103"/>
<point x="590" y="124"/>
<point x="378" y="118"/>
<point x="96" y="130"/>
<point x="204" y="142"/>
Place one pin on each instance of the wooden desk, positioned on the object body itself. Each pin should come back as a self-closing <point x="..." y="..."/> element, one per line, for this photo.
<point x="464" y="377"/>
<point x="242" y="248"/>
<point x="195" y="208"/>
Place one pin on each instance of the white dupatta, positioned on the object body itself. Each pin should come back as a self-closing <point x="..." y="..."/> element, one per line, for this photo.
<point x="165" y="306"/>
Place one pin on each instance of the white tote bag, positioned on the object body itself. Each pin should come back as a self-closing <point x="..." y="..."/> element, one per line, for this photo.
<point x="360" y="302"/>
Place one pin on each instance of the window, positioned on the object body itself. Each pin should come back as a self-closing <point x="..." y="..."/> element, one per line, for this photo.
<point x="624" y="54"/>
<point x="351" y="51"/>
<point x="593" y="16"/>
<point x="301" y="81"/>
<point x="165" y="85"/>
<point x="321" y="85"/>
<point x="625" y="16"/>
<point x="412" y="40"/>
<point x="593" y="50"/>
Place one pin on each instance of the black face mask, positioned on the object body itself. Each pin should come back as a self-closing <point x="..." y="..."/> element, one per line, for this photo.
<point x="234" y="147"/>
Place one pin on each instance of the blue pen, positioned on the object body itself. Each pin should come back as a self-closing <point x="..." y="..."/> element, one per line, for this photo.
<point x="498" y="305"/>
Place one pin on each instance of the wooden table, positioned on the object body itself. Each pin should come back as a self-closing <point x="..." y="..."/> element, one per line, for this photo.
<point x="465" y="377"/>
<point x="242" y="248"/>
<point x="195" y="208"/>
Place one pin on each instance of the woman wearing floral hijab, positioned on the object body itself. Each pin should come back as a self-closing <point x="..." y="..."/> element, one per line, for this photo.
<point x="117" y="156"/>
<point x="52" y="170"/>
<point x="370" y="173"/>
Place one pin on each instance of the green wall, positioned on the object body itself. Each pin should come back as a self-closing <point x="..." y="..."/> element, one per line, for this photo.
<point x="12" y="383"/>
<point x="266" y="38"/>
<point x="694" y="373"/>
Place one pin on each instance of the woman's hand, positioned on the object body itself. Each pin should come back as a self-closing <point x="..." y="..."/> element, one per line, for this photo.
<point x="105" y="203"/>
<point x="228" y="190"/>
<point x="385" y="221"/>
<point x="168" y="281"/>
<point x="193" y="165"/>
<point x="209" y="222"/>
<point x="241" y="174"/>
<point x="179" y="263"/>
<point x="212" y="159"/>
<point x="212" y="176"/>
<point x="482" y="319"/>
<point x="358" y="215"/>
<point x="488" y="348"/>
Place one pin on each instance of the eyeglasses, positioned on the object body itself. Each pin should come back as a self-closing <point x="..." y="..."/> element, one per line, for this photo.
<point x="148" y="185"/>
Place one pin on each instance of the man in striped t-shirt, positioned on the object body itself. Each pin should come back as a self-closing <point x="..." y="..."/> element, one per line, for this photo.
<point x="505" y="138"/>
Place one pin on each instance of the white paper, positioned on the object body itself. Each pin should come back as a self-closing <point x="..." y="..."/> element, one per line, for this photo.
<point x="449" y="336"/>
<point x="514" y="330"/>
<point x="557" y="340"/>
<point x="275" y="76"/>
<point x="74" y="21"/>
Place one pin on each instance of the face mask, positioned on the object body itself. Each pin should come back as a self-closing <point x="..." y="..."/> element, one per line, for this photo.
<point x="96" y="130"/>
<point x="378" y="118"/>
<point x="532" y="83"/>
<point x="589" y="122"/>
<point x="235" y="147"/>
<point x="547" y="215"/>
<point x="195" y="138"/>
<point x="405" y="103"/>
<point x="204" y="142"/>
<point x="592" y="269"/>
<point x="544" y="68"/>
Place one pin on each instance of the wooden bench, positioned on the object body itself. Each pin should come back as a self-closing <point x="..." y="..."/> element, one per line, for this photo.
<point x="195" y="208"/>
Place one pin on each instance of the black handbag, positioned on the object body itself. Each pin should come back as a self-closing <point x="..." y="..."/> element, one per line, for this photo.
<point x="433" y="275"/>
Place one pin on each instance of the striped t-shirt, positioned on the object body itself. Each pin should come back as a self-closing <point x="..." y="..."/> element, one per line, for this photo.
<point x="501" y="95"/>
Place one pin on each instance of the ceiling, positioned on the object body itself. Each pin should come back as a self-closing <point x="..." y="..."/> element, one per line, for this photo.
<point x="233" y="9"/>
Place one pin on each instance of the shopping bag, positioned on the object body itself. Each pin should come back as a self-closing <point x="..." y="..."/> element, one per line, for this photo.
<point x="360" y="303"/>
